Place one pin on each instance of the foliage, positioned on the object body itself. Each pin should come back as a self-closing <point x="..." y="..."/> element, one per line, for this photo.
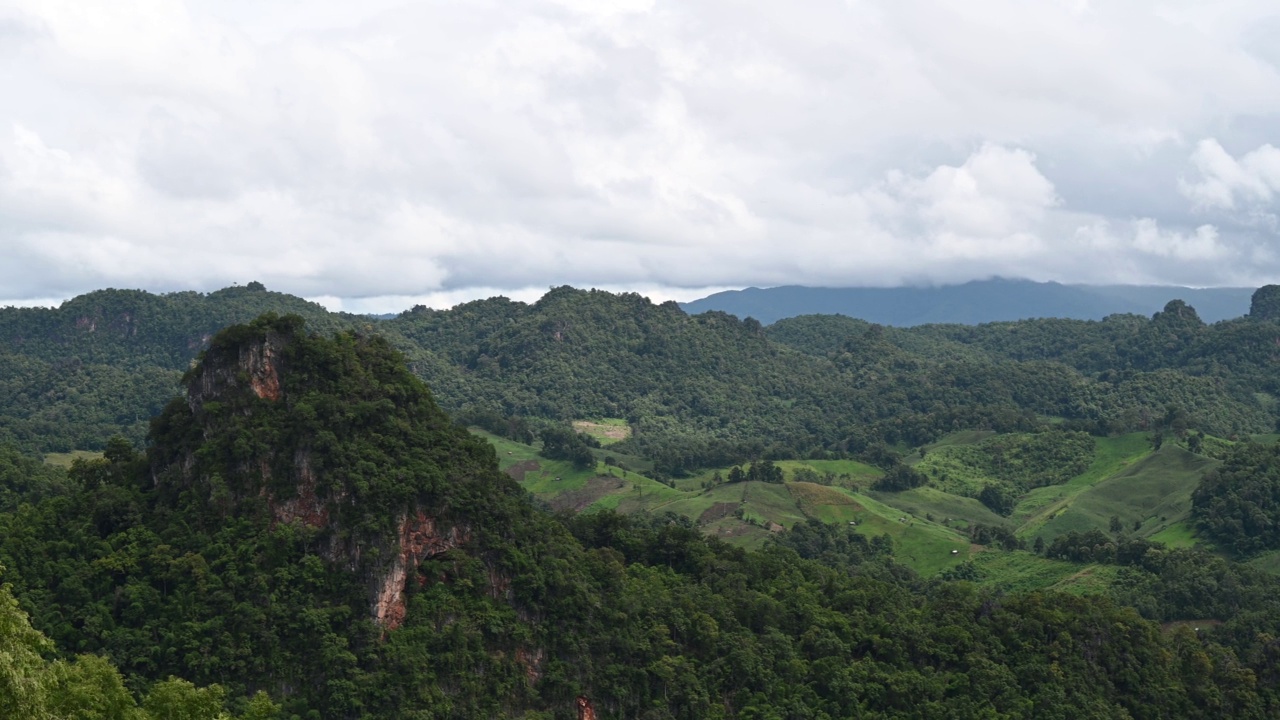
<point x="1265" y="304"/>
<point x="563" y="443"/>
<point x="901" y="477"/>
<point x="178" y="562"/>
<point x="1238" y="504"/>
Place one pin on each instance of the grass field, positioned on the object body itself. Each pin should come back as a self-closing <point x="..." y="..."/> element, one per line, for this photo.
<point x="926" y="524"/>
<point x="926" y="501"/>
<point x="64" y="460"/>
<point x="1176" y="535"/>
<point x="1021" y="571"/>
<point x="1111" y="456"/>
<point x="549" y="479"/>
<point x="921" y="545"/>
<point x="1150" y="497"/>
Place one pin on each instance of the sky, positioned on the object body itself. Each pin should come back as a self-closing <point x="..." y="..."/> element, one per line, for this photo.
<point x="377" y="155"/>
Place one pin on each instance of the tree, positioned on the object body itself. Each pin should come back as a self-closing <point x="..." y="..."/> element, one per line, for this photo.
<point x="561" y="443"/>
<point x="24" y="682"/>
<point x="176" y="699"/>
<point x="998" y="498"/>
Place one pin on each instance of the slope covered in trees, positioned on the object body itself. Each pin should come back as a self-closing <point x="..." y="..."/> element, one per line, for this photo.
<point x="701" y="391"/>
<point x="105" y="363"/>
<point x="306" y="522"/>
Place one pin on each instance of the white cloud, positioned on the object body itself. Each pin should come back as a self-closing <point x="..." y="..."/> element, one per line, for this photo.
<point x="1225" y="182"/>
<point x="439" y="150"/>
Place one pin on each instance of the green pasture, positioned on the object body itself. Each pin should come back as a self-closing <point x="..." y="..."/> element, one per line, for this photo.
<point x="1152" y="494"/>
<point x="943" y="506"/>
<point x="64" y="460"/>
<point x="1111" y="456"/>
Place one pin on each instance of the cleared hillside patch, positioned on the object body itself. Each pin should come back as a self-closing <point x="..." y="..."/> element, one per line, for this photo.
<point x="606" y="430"/>
<point x="946" y="508"/>
<point x="1111" y="455"/>
<point x="1153" y="494"/>
<point x="64" y="460"/>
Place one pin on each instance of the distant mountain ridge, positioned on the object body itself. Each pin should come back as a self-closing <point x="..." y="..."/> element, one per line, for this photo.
<point x="971" y="303"/>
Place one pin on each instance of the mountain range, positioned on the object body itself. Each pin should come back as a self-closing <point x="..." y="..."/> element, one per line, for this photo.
<point x="971" y="303"/>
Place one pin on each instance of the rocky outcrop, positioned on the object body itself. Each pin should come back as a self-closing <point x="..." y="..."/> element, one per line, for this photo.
<point x="256" y="364"/>
<point x="532" y="661"/>
<point x="251" y="363"/>
<point x="419" y="539"/>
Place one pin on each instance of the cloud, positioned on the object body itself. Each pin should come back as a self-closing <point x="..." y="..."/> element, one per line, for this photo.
<point x="1225" y="182"/>
<point x="449" y="149"/>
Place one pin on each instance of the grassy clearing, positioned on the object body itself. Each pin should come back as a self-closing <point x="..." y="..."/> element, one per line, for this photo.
<point x="642" y="494"/>
<point x="606" y="430"/>
<point x="1152" y="495"/>
<point x="1092" y="580"/>
<point x="912" y="456"/>
<point x="1176" y="535"/>
<point x="693" y="505"/>
<point x="509" y="452"/>
<point x="1111" y="456"/>
<point x="843" y="467"/>
<point x="810" y="495"/>
<point x="737" y="532"/>
<point x="1022" y="571"/>
<point x="549" y="479"/>
<point x="845" y="473"/>
<point x="922" y="545"/>
<point x="64" y="460"/>
<point x="943" y="506"/>
<point x="769" y="503"/>
<point x="1266" y="438"/>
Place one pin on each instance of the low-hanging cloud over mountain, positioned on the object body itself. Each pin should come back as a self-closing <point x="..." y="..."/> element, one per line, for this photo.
<point x="440" y="151"/>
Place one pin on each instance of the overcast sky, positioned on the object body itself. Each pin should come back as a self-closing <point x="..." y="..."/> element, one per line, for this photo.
<point x="379" y="154"/>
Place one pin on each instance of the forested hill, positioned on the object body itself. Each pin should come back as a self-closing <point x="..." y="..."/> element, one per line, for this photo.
<point x="105" y="363"/>
<point x="697" y="391"/>
<point x="972" y="303"/>
<point x="306" y="524"/>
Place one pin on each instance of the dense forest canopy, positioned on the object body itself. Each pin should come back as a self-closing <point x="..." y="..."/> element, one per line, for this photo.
<point x="698" y="391"/>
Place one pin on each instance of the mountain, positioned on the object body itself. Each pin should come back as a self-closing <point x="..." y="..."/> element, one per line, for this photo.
<point x="306" y="522"/>
<point x="971" y="303"/>
<point x="694" y="391"/>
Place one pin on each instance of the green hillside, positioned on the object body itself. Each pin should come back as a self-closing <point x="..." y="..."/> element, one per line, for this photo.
<point x="1150" y="496"/>
<point x="308" y="523"/>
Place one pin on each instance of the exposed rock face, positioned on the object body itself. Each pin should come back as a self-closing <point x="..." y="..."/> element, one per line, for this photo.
<point x="419" y="539"/>
<point x="259" y="362"/>
<point x="585" y="710"/>
<point x="306" y="507"/>
<point x="532" y="662"/>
